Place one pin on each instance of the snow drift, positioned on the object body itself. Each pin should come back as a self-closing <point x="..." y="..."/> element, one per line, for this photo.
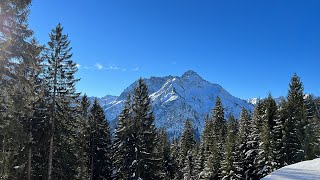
<point x="306" y="170"/>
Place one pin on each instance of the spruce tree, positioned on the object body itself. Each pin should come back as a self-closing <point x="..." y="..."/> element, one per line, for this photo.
<point x="214" y="136"/>
<point x="204" y="148"/>
<point x="219" y="122"/>
<point x="100" y="144"/>
<point x="167" y="166"/>
<point x="266" y="159"/>
<point x="200" y="160"/>
<point x="210" y="150"/>
<point x="60" y="80"/>
<point x="40" y="144"/>
<point x="123" y="150"/>
<point x="187" y="140"/>
<point x="228" y="168"/>
<point x="145" y="164"/>
<point x="189" y="166"/>
<point x="271" y="111"/>
<point x="19" y="69"/>
<point x="238" y="161"/>
<point x="27" y="93"/>
<point x="220" y="132"/>
<point x="15" y="38"/>
<point x="82" y="141"/>
<point x="176" y="159"/>
<point x="187" y="145"/>
<point x="245" y="162"/>
<point x="280" y="135"/>
<point x="251" y="151"/>
<point x="311" y="130"/>
<point x="295" y="122"/>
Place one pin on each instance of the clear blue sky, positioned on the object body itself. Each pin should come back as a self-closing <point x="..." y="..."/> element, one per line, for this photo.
<point x="249" y="47"/>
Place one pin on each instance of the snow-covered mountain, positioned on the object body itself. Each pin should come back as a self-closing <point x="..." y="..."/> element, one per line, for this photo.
<point x="104" y="100"/>
<point x="254" y="101"/>
<point x="176" y="99"/>
<point x="278" y="100"/>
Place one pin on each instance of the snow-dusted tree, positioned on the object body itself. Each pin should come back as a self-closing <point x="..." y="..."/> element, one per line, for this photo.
<point x="211" y="151"/>
<point x="187" y="146"/>
<point x="176" y="159"/>
<point x="238" y="164"/>
<point x="100" y="144"/>
<point x="295" y="122"/>
<point x="270" y="111"/>
<point x="317" y="121"/>
<point x="209" y="172"/>
<point x="265" y="161"/>
<point x="167" y="166"/>
<point x="146" y="160"/>
<point x="189" y="166"/>
<point x="311" y="138"/>
<point x="251" y="152"/>
<point x="187" y="140"/>
<point x="83" y="139"/>
<point x="213" y="140"/>
<point x="204" y="147"/>
<point x="200" y="160"/>
<point x="280" y="135"/>
<point x="123" y="150"/>
<point x="220" y="132"/>
<point x="247" y="147"/>
<point x="263" y="136"/>
<point x="219" y="123"/>
<point x="228" y="169"/>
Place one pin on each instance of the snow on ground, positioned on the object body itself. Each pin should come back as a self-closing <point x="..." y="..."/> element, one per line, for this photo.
<point x="306" y="170"/>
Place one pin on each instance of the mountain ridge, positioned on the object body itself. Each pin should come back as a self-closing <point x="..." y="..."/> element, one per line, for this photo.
<point x="178" y="98"/>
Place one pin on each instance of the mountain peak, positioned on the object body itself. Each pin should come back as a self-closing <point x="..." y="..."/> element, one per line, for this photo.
<point x="190" y="73"/>
<point x="175" y="99"/>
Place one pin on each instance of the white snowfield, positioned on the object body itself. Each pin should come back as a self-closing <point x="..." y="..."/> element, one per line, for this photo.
<point x="306" y="170"/>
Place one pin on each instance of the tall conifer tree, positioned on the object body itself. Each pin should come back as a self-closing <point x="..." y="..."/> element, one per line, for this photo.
<point x="220" y="132"/>
<point x="146" y="161"/>
<point x="82" y="141"/>
<point x="59" y="75"/>
<point x="100" y="144"/>
<point x="123" y="150"/>
<point x="295" y="122"/>
<point x="167" y="166"/>
<point x="19" y="70"/>
<point x="245" y="162"/>
<point x="311" y="130"/>
<point x="280" y="133"/>
<point x="228" y="164"/>
<point x="187" y="145"/>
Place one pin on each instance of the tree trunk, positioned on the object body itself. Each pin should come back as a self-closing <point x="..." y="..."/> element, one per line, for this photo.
<point x="83" y="160"/>
<point x="50" y="158"/>
<point x="29" y="154"/>
<point x="92" y="156"/>
<point x="82" y="166"/>
<point x="52" y="117"/>
<point x="3" y="156"/>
